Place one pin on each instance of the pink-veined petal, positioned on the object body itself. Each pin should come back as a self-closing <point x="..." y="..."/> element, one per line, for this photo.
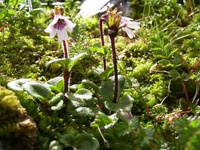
<point x="128" y="32"/>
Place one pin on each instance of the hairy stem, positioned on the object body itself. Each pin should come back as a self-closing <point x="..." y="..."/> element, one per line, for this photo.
<point x="102" y="40"/>
<point x="66" y="73"/>
<point x="112" y="38"/>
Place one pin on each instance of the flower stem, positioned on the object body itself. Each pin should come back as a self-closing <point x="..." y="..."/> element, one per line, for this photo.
<point x="66" y="73"/>
<point x="112" y="38"/>
<point x="104" y="140"/>
<point x="102" y="40"/>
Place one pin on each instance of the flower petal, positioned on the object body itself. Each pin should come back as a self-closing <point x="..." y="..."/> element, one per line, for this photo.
<point x="51" y="31"/>
<point x="126" y="19"/>
<point x="62" y="35"/>
<point x="55" y="19"/>
<point x="133" y="25"/>
<point x="129" y="23"/>
<point x="129" y="32"/>
<point x="69" y="25"/>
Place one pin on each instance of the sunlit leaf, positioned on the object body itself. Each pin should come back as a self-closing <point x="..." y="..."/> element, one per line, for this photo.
<point x="61" y="61"/>
<point x="55" y="145"/>
<point x="75" y="59"/>
<point x="56" y="99"/>
<point x="54" y="81"/>
<point x="16" y="85"/>
<point x="83" y="94"/>
<point x="37" y="90"/>
<point x="121" y="82"/>
<point x="89" y="84"/>
<point x="125" y="103"/>
<point x="67" y="63"/>
<point x="58" y="106"/>
<point x="106" y="89"/>
<point x="105" y="74"/>
<point x="56" y="84"/>
<point x="75" y="102"/>
<point x="85" y="111"/>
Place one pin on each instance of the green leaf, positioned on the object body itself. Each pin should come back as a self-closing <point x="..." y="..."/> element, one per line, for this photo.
<point x="89" y="84"/>
<point x="106" y="89"/>
<point x="103" y="73"/>
<point x="67" y="140"/>
<point x="121" y="82"/>
<point x="37" y="90"/>
<point x="101" y="51"/>
<point x="127" y="126"/>
<point x="107" y="73"/>
<point x="61" y="61"/>
<point x="54" y="81"/>
<point x="102" y="120"/>
<point x="17" y="84"/>
<point x="56" y="84"/>
<point x="58" y="106"/>
<point x="75" y="102"/>
<point x="87" y="142"/>
<point x="67" y="64"/>
<point x="175" y="74"/>
<point x="188" y="129"/>
<point x="83" y="94"/>
<point x="75" y="59"/>
<point x="60" y="86"/>
<point x="11" y="12"/>
<point x="125" y="104"/>
<point x="56" y="99"/>
<point x="55" y="145"/>
<point x="1" y="14"/>
<point x="36" y="11"/>
<point x="85" y="111"/>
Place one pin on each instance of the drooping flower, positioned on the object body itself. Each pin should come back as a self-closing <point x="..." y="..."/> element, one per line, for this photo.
<point x="60" y="25"/>
<point x="115" y="21"/>
<point x="128" y="24"/>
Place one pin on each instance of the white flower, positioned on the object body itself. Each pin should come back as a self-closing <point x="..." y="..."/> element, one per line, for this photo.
<point x="60" y="25"/>
<point x="128" y="24"/>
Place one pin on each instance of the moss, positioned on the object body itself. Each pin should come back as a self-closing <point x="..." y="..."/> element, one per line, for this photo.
<point x="17" y="130"/>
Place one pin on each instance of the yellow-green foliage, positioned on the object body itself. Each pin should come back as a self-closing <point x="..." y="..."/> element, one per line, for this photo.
<point x="16" y="128"/>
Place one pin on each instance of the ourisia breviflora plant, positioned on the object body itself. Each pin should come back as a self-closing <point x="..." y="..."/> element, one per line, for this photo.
<point x="116" y="21"/>
<point x="60" y="25"/>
